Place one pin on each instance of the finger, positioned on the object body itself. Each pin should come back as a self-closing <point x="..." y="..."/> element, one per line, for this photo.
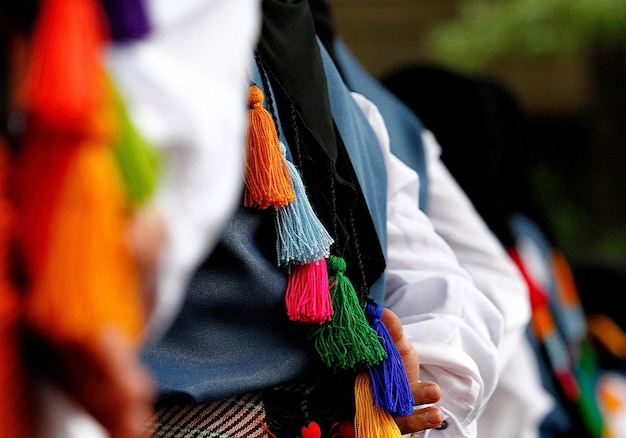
<point x="421" y="419"/>
<point x="425" y="392"/>
<point x="111" y="384"/>
<point x="146" y="238"/>
<point x="132" y="389"/>
<point x="403" y="345"/>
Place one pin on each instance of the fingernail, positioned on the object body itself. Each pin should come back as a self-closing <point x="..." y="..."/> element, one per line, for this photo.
<point x="432" y="392"/>
<point x="433" y="417"/>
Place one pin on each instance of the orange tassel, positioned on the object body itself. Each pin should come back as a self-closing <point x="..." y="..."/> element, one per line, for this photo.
<point x="14" y="419"/>
<point x="267" y="177"/>
<point x="566" y="284"/>
<point x="86" y="280"/>
<point x="369" y="421"/>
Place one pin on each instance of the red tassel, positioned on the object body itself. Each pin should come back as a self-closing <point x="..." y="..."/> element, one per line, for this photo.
<point x="308" y="294"/>
<point x="62" y="86"/>
<point x="267" y="177"/>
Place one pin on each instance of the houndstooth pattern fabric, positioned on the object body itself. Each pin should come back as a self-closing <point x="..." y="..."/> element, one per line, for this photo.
<point x="235" y="417"/>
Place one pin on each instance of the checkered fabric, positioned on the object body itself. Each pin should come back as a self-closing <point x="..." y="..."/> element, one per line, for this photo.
<point x="236" y="417"/>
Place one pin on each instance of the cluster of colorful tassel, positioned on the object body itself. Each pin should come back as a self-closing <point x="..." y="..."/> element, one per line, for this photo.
<point x="68" y="189"/>
<point x="80" y="172"/>
<point x="318" y="291"/>
<point x="570" y="356"/>
<point x="302" y="243"/>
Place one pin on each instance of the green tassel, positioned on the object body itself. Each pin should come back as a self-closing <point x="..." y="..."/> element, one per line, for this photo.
<point x="138" y="162"/>
<point x="346" y="341"/>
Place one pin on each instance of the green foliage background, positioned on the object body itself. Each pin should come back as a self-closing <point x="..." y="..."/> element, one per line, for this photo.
<point x="486" y="30"/>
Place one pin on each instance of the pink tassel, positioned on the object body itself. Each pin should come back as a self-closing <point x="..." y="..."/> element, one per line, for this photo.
<point x="308" y="295"/>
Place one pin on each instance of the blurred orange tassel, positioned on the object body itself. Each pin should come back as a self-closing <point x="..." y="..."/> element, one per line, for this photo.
<point x="82" y="274"/>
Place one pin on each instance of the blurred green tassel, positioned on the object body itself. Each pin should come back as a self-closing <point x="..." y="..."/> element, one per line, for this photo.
<point x="138" y="161"/>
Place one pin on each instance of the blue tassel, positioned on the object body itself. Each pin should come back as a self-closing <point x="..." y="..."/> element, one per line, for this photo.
<point x="302" y="238"/>
<point x="390" y="385"/>
<point x="128" y="19"/>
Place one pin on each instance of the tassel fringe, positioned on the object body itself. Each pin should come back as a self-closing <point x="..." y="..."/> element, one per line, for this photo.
<point x="267" y="180"/>
<point x="302" y="238"/>
<point x="390" y="385"/>
<point x="370" y="422"/>
<point x="86" y="280"/>
<point x="346" y="341"/>
<point x="307" y="296"/>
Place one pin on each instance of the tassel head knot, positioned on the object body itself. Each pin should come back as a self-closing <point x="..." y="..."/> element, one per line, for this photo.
<point x="336" y="265"/>
<point x="374" y="313"/>
<point x="255" y="97"/>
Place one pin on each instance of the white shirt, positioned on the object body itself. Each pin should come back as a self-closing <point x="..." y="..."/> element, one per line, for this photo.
<point x="185" y="88"/>
<point x="519" y="402"/>
<point x="462" y="332"/>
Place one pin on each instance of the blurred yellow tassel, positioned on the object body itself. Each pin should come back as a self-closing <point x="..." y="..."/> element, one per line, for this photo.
<point x="370" y="422"/>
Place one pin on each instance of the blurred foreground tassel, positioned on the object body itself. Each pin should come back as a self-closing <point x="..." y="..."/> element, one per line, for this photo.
<point x="390" y="385"/>
<point x="267" y="178"/>
<point x="128" y="19"/>
<point x="82" y="274"/>
<point x="62" y="87"/>
<point x="137" y="160"/>
<point x="346" y="341"/>
<point x="73" y="213"/>
<point x="370" y="422"/>
<point x="14" y="419"/>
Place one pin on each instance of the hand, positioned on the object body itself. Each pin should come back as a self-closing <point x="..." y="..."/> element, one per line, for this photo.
<point x="423" y="392"/>
<point x="146" y="238"/>
<point x="110" y="383"/>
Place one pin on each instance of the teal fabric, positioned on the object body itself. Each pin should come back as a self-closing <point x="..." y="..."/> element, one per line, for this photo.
<point x="404" y="127"/>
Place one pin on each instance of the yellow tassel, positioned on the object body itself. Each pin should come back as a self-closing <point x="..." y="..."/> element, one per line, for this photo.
<point x="369" y="421"/>
<point x="267" y="177"/>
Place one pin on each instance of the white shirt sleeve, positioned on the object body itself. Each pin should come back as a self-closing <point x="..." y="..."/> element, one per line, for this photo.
<point x="185" y="87"/>
<point x="454" y="326"/>
<point x="519" y="402"/>
<point x="479" y="252"/>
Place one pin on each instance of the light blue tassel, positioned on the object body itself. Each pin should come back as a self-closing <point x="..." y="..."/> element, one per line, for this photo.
<point x="301" y="237"/>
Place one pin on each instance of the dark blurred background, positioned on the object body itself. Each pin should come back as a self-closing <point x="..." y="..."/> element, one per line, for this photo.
<point x="565" y="63"/>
